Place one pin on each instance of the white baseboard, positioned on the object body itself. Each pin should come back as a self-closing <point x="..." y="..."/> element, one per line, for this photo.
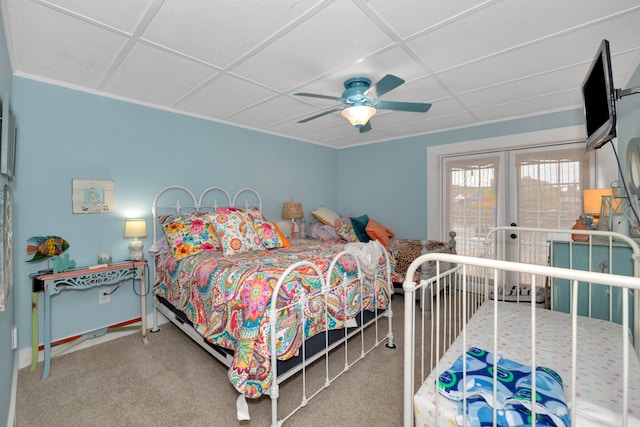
<point x="24" y="354"/>
<point x="11" y="416"/>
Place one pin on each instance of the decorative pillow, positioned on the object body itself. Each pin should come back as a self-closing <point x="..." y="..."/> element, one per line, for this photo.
<point x="236" y="233"/>
<point x="325" y="215"/>
<point x="379" y="232"/>
<point x="344" y="228"/>
<point x="160" y="246"/>
<point x="189" y="234"/>
<point x="270" y="234"/>
<point x="254" y="211"/>
<point x="323" y="232"/>
<point x="359" y="225"/>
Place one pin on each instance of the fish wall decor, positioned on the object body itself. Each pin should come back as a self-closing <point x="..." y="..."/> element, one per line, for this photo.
<point x="45" y="247"/>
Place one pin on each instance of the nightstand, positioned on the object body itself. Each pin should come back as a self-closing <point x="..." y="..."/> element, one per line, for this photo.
<point x="52" y="284"/>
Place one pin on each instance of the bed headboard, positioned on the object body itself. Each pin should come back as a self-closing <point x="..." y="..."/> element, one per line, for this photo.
<point x="176" y="199"/>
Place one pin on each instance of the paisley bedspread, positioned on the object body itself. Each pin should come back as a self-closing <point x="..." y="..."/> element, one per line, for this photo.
<point x="228" y="298"/>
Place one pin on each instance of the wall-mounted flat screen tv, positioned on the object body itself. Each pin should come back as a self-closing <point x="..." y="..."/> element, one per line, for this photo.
<point x="599" y="99"/>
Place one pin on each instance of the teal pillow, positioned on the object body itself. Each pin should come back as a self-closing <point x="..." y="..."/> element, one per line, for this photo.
<point x="359" y="225"/>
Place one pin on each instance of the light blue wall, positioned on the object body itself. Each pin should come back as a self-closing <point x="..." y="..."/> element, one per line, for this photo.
<point x="65" y="134"/>
<point x="388" y="181"/>
<point x="628" y="119"/>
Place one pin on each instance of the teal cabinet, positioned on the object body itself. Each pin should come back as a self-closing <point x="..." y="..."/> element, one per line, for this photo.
<point x="604" y="301"/>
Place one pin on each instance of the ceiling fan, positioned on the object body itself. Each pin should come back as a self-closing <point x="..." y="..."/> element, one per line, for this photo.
<point x="360" y="101"/>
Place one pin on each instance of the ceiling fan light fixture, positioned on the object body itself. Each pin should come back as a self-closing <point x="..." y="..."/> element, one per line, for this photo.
<point x="358" y="115"/>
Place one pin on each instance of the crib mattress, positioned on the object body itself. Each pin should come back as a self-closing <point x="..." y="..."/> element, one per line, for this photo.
<point x="599" y="377"/>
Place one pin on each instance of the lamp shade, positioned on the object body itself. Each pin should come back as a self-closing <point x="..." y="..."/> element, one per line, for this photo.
<point x="592" y="199"/>
<point x="135" y="228"/>
<point x="358" y="115"/>
<point x="292" y="210"/>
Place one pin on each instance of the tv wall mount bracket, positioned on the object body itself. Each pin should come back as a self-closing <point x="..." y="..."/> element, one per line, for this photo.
<point x="624" y="92"/>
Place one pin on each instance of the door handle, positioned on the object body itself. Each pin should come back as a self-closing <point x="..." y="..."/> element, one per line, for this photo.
<point x="514" y="235"/>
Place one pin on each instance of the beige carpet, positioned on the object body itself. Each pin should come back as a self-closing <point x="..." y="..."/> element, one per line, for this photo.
<point x="173" y="382"/>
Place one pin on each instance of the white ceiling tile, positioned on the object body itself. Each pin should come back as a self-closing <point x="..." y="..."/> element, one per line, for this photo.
<point x="476" y="61"/>
<point x="394" y="61"/>
<point x="573" y="48"/>
<point x="329" y="120"/>
<point x="121" y="14"/>
<point x="325" y="42"/>
<point x="54" y="45"/>
<point x="224" y="96"/>
<point x="623" y="67"/>
<point x="220" y="31"/>
<point x="556" y="101"/>
<point x="268" y="113"/>
<point x="446" y="122"/>
<point x="423" y="90"/>
<point x="548" y="83"/>
<point x="504" y="26"/>
<point x="153" y="75"/>
<point x="408" y="17"/>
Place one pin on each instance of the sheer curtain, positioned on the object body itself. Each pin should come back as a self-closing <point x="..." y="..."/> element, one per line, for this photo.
<point x="471" y="194"/>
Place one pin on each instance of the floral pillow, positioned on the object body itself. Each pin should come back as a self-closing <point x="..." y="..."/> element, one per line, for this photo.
<point x="236" y="233"/>
<point x="254" y="211"/>
<point x="189" y="234"/>
<point x="344" y="228"/>
<point x="270" y="234"/>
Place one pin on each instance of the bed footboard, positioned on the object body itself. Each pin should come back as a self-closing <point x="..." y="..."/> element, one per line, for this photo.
<point x="359" y="325"/>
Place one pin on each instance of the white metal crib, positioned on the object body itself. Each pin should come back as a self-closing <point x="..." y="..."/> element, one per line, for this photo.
<point x="465" y="316"/>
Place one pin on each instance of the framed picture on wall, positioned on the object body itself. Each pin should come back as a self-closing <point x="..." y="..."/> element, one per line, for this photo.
<point x="93" y="196"/>
<point x="7" y="140"/>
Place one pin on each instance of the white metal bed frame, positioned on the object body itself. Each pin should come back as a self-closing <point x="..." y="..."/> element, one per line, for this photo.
<point x="452" y="275"/>
<point x="355" y="335"/>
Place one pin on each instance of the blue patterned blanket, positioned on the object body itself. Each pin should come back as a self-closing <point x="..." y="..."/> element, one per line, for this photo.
<point x="513" y="397"/>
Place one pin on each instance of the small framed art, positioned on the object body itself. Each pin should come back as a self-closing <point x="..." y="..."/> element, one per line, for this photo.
<point x="93" y="196"/>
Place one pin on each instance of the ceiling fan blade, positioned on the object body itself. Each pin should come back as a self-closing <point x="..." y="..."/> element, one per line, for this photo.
<point x="315" y="95"/>
<point x="324" y="113"/>
<point x="384" y="85"/>
<point x="415" y="107"/>
<point x="366" y="127"/>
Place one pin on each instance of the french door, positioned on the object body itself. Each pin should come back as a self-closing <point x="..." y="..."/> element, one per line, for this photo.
<point x="533" y="187"/>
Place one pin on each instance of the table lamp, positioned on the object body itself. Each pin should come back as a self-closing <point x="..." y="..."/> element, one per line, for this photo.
<point x="292" y="210"/>
<point x="134" y="228"/>
<point x="592" y="200"/>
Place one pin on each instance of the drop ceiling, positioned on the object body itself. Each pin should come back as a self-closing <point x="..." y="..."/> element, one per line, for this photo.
<point x="240" y="62"/>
